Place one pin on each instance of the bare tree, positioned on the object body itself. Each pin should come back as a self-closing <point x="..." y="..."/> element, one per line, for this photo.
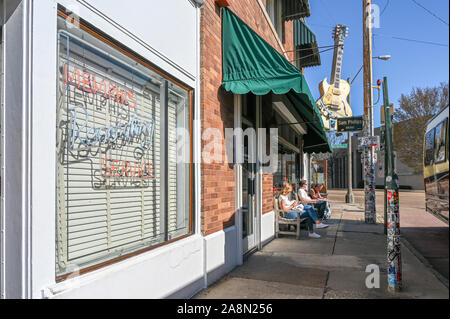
<point x="410" y="120"/>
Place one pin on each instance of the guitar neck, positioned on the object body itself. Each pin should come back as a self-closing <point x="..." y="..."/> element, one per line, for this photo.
<point x="340" y="32"/>
<point x="337" y="63"/>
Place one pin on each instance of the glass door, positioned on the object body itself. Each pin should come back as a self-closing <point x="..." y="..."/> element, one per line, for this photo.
<point x="249" y="175"/>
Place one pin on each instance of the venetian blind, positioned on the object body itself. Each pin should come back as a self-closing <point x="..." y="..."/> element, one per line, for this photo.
<point x="108" y="152"/>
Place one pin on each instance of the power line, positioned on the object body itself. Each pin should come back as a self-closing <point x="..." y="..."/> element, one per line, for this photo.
<point x="411" y="40"/>
<point x="385" y="7"/>
<point x="307" y="56"/>
<point x="319" y="47"/>
<point x="442" y="20"/>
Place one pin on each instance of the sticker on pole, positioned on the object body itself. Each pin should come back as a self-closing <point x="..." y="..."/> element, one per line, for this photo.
<point x="389" y="195"/>
<point x="369" y="141"/>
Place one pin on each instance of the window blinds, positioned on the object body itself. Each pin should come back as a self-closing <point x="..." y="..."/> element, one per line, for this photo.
<point x="108" y="155"/>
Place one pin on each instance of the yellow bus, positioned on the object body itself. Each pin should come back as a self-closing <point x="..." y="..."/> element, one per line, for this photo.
<point x="435" y="165"/>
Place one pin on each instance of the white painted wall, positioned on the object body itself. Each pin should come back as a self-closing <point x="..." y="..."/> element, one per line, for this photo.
<point x="154" y="30"/>
<point x="159" y="274"/>
<point x="221" y="256"/>
<point x="267" y="227"/>
<point x="166" y="26"/>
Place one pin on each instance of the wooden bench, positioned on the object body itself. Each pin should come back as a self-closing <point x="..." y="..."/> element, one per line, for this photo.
<point x="280" y="219"/>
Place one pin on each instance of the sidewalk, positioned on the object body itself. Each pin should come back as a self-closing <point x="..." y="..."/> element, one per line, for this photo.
<point x="330" y="267"/>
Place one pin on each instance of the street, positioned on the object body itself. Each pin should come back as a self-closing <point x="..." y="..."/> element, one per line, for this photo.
<point x="336" y="265"/>
<point x="427" y="234"/>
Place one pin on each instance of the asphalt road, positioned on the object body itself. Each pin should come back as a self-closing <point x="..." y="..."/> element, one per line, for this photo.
<point x="426" y="233"/>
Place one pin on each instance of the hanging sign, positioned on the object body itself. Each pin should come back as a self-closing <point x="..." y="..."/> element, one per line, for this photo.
<point x="350" y="124"/>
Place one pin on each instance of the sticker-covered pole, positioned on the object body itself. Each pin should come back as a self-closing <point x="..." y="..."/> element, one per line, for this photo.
<point x="393" y="209"/>
<point x="369" y="154"/>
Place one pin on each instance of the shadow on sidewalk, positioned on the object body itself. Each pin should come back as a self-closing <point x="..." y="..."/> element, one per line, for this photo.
<point x="333" y="266"/>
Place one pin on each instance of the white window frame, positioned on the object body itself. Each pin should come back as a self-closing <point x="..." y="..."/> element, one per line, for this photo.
<point x="274" y="10"/>
<point x="170" y="79"/>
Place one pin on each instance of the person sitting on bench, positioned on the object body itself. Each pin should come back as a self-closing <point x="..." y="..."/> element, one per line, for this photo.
<point x="321" y="205"/>
<point x="308" y="211"/>
<point x="314" y="193"/>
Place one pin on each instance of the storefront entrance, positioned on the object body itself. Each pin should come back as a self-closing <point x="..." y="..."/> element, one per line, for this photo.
<point x="248" y="182"/>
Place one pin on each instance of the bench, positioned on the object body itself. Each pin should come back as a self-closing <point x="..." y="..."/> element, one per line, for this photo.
<point x="280" y="219"/>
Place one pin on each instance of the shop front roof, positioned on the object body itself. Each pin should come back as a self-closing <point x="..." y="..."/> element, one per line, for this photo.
<point x="250" y="64"/>
<point x="306" y="45"/>
<point x="295" y="9"/>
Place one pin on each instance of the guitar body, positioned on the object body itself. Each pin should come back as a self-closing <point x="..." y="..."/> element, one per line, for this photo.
<point x="333" y="96"/>
<point x="336" y="99"/>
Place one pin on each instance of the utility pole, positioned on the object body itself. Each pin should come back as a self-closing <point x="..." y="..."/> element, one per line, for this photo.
<point x="368" y="155"/>
<point x="393" y="215"/>
<point x="349" y="196"/>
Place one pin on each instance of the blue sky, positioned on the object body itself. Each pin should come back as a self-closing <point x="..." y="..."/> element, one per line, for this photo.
<point x="412" y="64"/>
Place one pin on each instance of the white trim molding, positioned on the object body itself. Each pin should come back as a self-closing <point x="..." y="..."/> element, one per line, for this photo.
<point x="272" y="28"/>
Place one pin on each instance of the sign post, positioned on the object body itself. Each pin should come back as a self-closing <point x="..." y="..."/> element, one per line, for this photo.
<point x="392" y="200"/>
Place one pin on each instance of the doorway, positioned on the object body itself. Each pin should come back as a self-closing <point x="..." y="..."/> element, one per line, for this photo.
<point x="248" y="176"/>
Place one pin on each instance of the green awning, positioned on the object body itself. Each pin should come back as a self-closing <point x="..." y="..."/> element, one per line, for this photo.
<point x="302" y="34"/>
<point x="250" y="64"/>
<point x="306" y="45"/>
<point x="295" y="9"/>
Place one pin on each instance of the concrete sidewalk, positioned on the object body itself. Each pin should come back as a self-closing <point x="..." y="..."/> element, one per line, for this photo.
<point x="330" y="267"/>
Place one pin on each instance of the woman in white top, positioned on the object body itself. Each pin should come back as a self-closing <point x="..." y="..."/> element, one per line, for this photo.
<point x="308" y="211"/>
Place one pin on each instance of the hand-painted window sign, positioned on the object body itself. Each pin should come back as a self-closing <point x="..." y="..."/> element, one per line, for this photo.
<point x="350" y="124"/>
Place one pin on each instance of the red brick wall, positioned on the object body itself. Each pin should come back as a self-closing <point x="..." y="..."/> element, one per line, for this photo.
<point x="267" y="193"/>
<point x="288" y="40"/>
<point x="217" y="109"/>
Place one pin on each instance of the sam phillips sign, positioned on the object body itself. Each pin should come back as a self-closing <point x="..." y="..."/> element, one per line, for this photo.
<point x="350" y="124"/>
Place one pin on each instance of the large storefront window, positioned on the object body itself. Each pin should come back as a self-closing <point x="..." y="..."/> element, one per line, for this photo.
<point x="123" y="154"/>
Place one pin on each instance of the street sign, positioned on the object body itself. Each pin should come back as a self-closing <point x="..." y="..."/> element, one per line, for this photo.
<point x="350" y="124"/>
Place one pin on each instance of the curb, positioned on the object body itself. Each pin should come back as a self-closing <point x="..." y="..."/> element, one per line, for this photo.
<point x="425" y="262"/>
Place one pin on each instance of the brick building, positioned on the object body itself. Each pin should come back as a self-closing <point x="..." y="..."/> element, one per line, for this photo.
<point x="237" y="197"/>
<point x="139" y="155"/>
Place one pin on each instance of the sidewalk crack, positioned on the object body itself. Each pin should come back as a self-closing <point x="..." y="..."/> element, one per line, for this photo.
<point x="337" y="231"/>
<point x="325" y="288"/>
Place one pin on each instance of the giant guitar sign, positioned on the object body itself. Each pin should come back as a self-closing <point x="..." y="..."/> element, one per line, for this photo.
<point x="333" y="101"/>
